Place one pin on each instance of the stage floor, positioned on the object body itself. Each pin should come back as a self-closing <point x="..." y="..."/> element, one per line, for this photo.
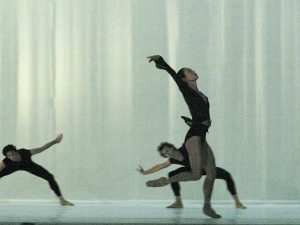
<point x="41" y="213"/>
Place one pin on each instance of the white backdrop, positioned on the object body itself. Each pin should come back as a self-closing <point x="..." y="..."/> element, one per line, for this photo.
<point x="80" y="68"/>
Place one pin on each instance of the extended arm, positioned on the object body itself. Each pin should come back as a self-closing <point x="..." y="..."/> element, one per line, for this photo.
<point x="160" y="63"/>
<point x="48" y="145"/>
<point x="154" y="168"/>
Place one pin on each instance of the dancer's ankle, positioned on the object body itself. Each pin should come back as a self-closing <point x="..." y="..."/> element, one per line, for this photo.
<point x="64" y="202"/>
<point x="176" y="205"/>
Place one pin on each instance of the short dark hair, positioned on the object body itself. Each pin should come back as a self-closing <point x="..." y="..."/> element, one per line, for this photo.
<point x="165" y="144"/>
<point x="8" y="148"/>
<point x="180" y="73"/>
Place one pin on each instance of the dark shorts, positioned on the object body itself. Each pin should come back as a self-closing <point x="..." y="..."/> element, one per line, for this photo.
<point x="199" y="131"/>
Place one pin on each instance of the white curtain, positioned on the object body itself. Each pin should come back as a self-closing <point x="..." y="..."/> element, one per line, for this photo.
<point x="80" y="68"/>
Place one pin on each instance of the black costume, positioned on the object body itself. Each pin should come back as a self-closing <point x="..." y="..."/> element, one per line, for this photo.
<point x="26" y="164"/>
<point x="197" y="103"/>
<point x="221" y="173"/>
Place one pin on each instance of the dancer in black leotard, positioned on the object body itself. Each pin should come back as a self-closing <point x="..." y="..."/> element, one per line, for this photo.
<point x="200" y="154"/>
<point x="16" y="160"/>
<point x="180" y="157"/>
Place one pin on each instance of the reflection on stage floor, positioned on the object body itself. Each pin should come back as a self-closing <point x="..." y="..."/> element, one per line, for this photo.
<point x="125" y="214"/>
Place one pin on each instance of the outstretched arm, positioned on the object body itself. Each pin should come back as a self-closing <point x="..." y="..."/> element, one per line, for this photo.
<point x="154" y="168"/>
<point x="48" y="145"/>
<point x="160" y="63"/>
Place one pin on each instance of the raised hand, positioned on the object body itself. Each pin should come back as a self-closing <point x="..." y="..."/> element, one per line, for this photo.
<point x="153" y="58"/>
<point x="156" y="59"/>
<point x="58" y="138"/>
<point x="141" y="170"/>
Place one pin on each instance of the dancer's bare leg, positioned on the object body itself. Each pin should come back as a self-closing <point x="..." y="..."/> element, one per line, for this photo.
<point x="194" y="148"/>
<point x="198" y="161"/>
<point x="210" y="168"/>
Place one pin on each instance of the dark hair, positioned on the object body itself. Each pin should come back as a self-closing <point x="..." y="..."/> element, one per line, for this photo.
<point x="8" y="148"/>
<point x="180" y="73"/>
<point x="165" y="144"/>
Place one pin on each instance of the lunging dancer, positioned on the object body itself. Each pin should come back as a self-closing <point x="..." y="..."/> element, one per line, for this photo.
<point x="180" y="157"/>
<point x="200" y="155"/>
<point x="16" y="160"/>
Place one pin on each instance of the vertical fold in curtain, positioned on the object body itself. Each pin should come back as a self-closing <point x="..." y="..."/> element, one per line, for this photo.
<point x="173" y="16"/>
<point x="35" y="113"/>
<point x="260" y="104"/>
<point x="8" y="70"/>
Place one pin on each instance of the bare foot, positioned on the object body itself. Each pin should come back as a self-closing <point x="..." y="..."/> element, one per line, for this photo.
<point x="239" y="205"/>
<point x="176" y="205"/>
<point x="157" y="183"/>
<point x="65" y="203"/>
<point x="208" y="210"/>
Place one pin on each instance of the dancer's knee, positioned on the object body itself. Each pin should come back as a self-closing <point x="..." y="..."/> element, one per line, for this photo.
<point x="211" y="174"/>
<point x="227" y="176"/>
<point x="50" y="177"/>
<point x="196" y="176"/>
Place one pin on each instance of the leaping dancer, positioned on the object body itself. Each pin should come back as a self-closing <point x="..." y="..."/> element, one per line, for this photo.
<point x="200" y="155"/>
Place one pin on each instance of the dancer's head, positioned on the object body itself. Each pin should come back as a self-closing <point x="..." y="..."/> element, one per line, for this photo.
<point x="166" y="149"/>
<point x="187" y="74"/>
<point x="10" y="151"/>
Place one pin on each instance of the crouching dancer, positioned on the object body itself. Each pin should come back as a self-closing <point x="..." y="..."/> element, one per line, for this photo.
<point x="180" y="157"/>
<point x="16" y="160"/>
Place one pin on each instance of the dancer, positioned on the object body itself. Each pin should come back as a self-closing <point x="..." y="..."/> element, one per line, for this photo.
<point x="21" y="160"/>
<point x="221" y="174"/>
<point x="180" y="157"/>
<point x="199" y="153"/>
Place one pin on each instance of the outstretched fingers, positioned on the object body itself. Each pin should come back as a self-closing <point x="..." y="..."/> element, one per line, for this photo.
<point x="59" y="138"/>
<point x="153" y="58"/>
<point x="140" y="169"/>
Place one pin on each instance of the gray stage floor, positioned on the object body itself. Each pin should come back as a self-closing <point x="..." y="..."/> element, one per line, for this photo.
<point x="38" y="214"/>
